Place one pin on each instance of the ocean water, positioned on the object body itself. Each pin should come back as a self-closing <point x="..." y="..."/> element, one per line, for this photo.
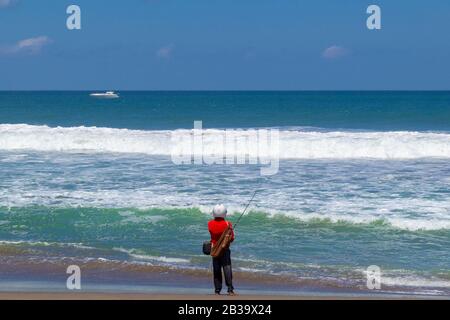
<point x="363" y="180"/>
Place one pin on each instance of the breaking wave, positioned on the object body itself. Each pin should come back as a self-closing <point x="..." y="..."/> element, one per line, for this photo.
<point x="293" y="144"/>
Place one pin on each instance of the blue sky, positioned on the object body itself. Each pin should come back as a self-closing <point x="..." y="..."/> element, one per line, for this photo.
<point x="224" y="45"/>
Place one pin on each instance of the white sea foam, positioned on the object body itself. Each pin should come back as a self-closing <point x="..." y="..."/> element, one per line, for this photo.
<point x="145" y="257"/>
<point x="415" y="281"/>
<point x="294" y="144"/>
<point x="159" y="258"/>
<point x="406" y="214"/>
<point x="409" y="279"/>
<point x="45" y="244"/>
<point x="331" y="192"/>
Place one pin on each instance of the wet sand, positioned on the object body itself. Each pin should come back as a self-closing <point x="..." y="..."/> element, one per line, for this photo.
<point x="116" y="280"/>
<point x="157" y="296"/>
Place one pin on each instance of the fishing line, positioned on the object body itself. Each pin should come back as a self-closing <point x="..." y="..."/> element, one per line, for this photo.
<point x="246" y="207"/>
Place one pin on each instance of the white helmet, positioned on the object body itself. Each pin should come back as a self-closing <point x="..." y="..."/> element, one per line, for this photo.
<point x="219" y="211"/>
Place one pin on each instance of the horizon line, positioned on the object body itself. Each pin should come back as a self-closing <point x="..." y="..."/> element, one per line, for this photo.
<point x="227" y="90"/>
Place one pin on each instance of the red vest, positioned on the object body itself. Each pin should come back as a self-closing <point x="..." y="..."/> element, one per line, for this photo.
<point x="216" y="227"/>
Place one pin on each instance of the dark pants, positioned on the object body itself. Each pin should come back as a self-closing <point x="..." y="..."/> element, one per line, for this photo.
<point x="223" y="262"/>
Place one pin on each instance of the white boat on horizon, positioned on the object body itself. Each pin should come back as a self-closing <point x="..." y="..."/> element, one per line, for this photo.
<point x="107" y="95"/>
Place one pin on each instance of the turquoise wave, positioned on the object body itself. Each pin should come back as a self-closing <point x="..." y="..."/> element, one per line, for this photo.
<point x="178" y="233"/>
<point x="266" y="244"/>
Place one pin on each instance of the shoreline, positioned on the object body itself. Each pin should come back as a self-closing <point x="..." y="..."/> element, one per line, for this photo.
<point x="116" y="278"/>
<point x="144" y="296"/>
<point x="51" y="290"/>
<point x="195" y="296"/>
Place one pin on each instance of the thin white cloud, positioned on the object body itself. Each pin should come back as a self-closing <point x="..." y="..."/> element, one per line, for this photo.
<point x="165" y="52"/>
<point x="335" y="52"/>
<point x="30" y="45"/>
<point x="6" y="3"/>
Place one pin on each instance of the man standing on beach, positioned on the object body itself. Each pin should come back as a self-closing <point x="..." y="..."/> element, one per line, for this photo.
<point x="216" y="228"/>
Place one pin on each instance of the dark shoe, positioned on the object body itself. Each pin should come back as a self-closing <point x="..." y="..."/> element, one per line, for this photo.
<point x="231" y="293"/>
<point x="217" y="293"/>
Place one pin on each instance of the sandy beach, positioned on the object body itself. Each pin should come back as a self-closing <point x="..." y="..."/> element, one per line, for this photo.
<point x="136" y="296"/>
<point x="157" y="296"/>
<point x="44" y="280"/>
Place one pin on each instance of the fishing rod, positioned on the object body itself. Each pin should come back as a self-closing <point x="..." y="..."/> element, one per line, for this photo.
<point x="246" y="207"/>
